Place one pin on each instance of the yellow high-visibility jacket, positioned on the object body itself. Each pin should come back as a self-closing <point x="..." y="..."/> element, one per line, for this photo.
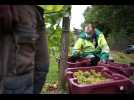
<point x="98" y="46"/>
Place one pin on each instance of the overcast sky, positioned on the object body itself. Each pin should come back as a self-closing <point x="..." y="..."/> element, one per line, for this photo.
<point x="77" y="15"/>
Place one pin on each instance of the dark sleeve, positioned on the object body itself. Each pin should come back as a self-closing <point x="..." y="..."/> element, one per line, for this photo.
<point x="41" y="57"/>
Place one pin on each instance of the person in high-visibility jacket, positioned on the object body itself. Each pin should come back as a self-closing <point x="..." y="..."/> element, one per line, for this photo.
<point x="91" y="44"/>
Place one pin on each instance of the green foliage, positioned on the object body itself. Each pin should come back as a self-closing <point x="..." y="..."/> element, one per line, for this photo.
<point x="72" y="41"/>
<point x="54" y="39"/>
<point x="53" y="15"/>
<point x="115" y="21"/>
<point x="52" y="8"/>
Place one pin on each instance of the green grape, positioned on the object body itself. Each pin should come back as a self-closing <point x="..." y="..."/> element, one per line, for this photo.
<point x="76" y="74"/>
<point x="86" y="74"/>
<point x="99" y="74"/>
<point x="89" y="77"/>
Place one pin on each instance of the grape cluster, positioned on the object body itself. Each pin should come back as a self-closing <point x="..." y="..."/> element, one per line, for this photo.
<point x="89" y="77"/>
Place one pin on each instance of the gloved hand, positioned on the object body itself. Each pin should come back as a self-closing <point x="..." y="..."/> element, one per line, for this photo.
<point x="94" y="60"/>
<point x="74" y="58"/>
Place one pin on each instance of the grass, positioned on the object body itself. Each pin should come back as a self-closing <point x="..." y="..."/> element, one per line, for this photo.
<point x="53" y="69"/>
<point x="52" y="76"/>
<point x="123" y="58"/>
<point x="120" y="57"/>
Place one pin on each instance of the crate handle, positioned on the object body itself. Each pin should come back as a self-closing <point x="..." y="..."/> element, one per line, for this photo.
<point x="105" y="70"/>
<point x="71" y="80"/>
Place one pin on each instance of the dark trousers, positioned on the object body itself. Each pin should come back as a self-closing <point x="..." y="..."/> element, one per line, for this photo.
<point x="24" y="84"/>
<point x="21" y="84"/>
<point x="39" y="82"/>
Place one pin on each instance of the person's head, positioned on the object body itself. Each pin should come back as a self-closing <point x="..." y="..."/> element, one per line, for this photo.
<point x="89" y="28"/>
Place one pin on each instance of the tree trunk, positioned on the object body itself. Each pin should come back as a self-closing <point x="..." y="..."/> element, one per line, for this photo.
<point x="64" y="51"/>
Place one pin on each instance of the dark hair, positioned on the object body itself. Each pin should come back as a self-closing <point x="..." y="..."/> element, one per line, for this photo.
<point x="8" y="17"/>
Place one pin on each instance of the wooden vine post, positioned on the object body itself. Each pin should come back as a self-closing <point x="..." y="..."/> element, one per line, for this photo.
<point x="64" y="51"/>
